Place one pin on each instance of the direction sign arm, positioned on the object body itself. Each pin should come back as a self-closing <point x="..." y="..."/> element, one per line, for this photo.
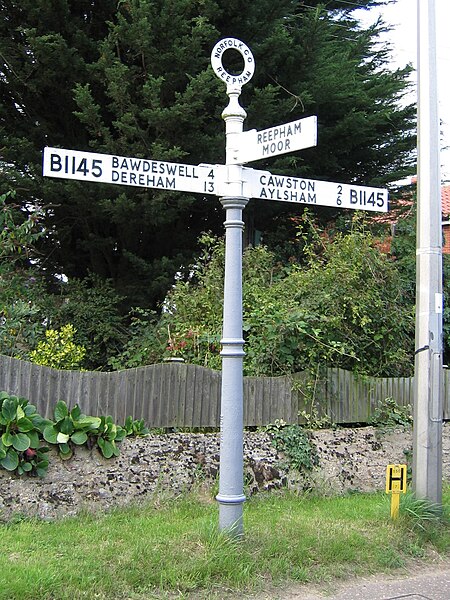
<point x="289" y="137"/>
<point x="267" y="186"/>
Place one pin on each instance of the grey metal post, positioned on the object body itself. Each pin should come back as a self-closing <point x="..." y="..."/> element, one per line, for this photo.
<point x="428" y="386"/>
<point x="231" y="476"/>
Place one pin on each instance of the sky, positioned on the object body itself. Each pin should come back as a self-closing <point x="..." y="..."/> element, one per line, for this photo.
<point x="402" y="15"/>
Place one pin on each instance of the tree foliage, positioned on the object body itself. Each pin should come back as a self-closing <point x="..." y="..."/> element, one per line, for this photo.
<point x="21" y="292"/>
<point x="28" y="309"/>
<point x="344" y="308"/>
<point x="133" y="78"/>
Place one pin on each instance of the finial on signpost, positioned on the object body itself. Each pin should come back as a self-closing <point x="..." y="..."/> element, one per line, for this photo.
<point x="233" y="115"/>
<point x="234" y="82"/>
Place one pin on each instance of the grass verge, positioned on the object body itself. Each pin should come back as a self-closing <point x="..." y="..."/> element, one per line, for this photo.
<point x="172" y="548"/>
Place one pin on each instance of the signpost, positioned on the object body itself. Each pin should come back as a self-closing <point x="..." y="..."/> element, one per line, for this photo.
<point x="207" y="179"/>
<point x="264" y="185"/>
<point x="395" y="485"/>
<point x="234" y="184"/>
<point x="253" y="144"/>
<point x="106" y="168"/>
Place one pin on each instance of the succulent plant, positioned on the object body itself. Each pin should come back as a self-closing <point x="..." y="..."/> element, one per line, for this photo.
<point x="135" y="427"/>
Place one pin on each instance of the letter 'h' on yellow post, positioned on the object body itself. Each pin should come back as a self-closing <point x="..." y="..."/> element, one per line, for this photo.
<point x="395" y="485"/>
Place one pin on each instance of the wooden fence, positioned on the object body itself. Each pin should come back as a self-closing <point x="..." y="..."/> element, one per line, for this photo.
<point x="181" y="395"/>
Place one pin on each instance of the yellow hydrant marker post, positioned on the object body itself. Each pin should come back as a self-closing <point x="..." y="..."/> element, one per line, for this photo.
<point x="395" y="485"/>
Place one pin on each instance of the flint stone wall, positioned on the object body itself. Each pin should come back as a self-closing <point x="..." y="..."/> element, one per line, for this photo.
<point x="349" y="459"/>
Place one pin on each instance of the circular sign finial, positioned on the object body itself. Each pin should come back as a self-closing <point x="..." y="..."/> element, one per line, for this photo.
<point x="233" y="81"/>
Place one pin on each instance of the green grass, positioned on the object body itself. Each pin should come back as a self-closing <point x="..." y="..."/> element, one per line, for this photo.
<point x="172" y="548"/>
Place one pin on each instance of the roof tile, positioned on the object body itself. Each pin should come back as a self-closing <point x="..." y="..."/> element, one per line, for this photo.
<point x="445" y="199"/>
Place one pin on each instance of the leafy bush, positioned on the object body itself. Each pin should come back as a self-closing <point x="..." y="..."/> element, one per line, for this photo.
<point x="192" y="318"/>
<point x="32" y="301"/>
<point x="145" y="344"/>
<point x="295" y="443"/>
<point x="21" y="429"/>
<point x="22" y="293"/>
<point x="94" y="308"/>
<point x="17" y="232"/>
<point x="342" y="308"/>
<point x="59" y="351"/>
<point x="107" y="436"/>
<point x="69" y="428"/>
<point x="135" y="427"/>
<point x="73" y="428"/>
<point x="389" y="416"/>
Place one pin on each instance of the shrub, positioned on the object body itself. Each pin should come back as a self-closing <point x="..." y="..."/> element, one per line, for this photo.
<point x="340" y="309"/>
<point x="295" y="443"/>
<point x="69" y="428"/>
<point x="389" y="416"/>
<point x="58" y="350"/>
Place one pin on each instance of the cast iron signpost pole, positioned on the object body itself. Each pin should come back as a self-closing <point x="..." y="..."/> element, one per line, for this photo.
<point x="231" y="475"/>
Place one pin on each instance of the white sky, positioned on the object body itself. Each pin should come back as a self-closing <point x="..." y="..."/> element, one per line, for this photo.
<point x="403" y="16"/>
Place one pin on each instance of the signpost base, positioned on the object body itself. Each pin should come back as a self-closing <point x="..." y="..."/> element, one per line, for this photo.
<point x="231" y="514"/>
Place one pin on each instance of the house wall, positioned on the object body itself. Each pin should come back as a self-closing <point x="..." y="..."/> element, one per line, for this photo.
<point x="446" y="239"/>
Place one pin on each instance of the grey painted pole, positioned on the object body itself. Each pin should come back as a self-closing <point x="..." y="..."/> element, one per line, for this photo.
<point x="231" y="476"/>
<point x="428" y="382"/>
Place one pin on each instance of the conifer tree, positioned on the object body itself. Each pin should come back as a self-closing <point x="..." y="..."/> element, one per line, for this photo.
<point x="133" y="78"/>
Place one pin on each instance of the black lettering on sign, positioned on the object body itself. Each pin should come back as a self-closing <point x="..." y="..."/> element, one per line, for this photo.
<point x="96" y="167"/>
<point x="380" y="199"/>
<point x="365" y="197"/>
<point x="55" y="163"/>
<point x="396" y="478"/>
<point x="280" y="146"/>
<point x="82" y="167"/>
<point x="71" y="165"/>
<point x="208" y="186"/>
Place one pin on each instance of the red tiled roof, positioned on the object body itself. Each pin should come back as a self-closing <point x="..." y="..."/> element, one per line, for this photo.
<point x="402" y="208"/>
<point x="445" y="200"/>
<point x="403" y="204"/>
